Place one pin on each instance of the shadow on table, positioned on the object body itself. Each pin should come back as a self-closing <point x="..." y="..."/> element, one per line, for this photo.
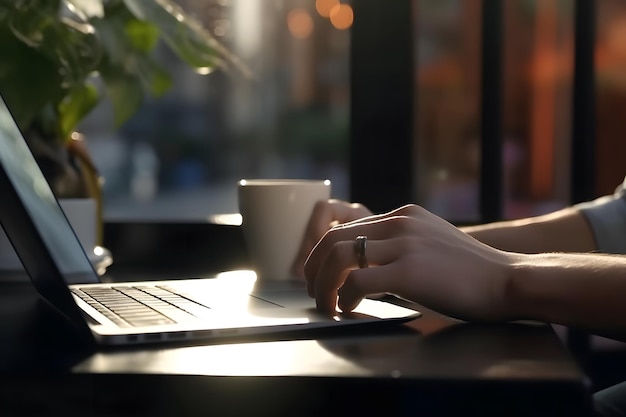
<point x="474" y="369"/>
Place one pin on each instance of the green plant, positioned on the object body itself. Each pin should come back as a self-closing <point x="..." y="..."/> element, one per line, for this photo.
<point x="61" y="57"/>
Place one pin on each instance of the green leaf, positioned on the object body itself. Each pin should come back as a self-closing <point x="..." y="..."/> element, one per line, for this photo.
<point x="75" y="106"/>
<point x="125" y="93"/>
<point x="62" y="37"/>
<point x="128" y="69"/>
<point x="154" y="78"/>
<point x="50" y="48"/>
<point x="28" y="80"/>
<point x="143" y="36"/>
<point x="184" y="35"/>
<point x="111" y="33"/>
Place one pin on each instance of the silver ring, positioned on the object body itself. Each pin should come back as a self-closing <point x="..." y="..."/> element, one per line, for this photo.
<point x="360" y="244"/>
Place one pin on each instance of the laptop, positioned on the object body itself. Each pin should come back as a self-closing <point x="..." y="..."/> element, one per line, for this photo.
<point x="126" y="313"/>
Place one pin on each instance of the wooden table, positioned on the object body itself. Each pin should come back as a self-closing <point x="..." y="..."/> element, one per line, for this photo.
<point x="431" y="366"/>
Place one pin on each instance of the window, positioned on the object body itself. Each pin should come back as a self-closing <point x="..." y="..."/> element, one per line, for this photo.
<point x="537" y="70"/>
<point x="534" y="77"/>
<point x="181" y="156"/>
<point x="388" y="107"/>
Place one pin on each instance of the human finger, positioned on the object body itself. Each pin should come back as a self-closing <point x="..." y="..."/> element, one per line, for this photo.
<point x="340" y="274"/>
<point x="365" y="282"/>
<point x="375" y="228"/>
<point x="325" y="215"/>
<point x="411" y="211"/>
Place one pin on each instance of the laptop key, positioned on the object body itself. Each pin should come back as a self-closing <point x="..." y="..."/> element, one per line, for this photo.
<point x="142" y="305"/>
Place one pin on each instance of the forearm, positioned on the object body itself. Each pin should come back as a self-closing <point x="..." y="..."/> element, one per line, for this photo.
<point x="563" y="231"/>
<point x="582" y="290"/>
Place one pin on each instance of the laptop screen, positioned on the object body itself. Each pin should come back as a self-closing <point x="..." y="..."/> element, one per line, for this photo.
<point x="38" y="200"/>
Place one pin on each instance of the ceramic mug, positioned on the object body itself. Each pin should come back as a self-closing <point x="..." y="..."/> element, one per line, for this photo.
<point x="275" y="214"/>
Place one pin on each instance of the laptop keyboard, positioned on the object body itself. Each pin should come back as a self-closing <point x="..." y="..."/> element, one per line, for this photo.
<point x="141" y="305"/>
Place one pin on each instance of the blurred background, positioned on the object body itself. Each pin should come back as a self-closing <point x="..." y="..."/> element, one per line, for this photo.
<point x="179" y="158"/>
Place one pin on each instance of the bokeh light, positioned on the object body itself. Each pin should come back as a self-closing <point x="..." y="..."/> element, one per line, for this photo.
<point x="324" y="7"/>
<point x="342" y="16"/>
<point x="300" y="23"/>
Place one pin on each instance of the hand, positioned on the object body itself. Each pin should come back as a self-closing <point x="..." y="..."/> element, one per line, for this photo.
<point x="326" y="214"/>
<point x="415" y="255"/>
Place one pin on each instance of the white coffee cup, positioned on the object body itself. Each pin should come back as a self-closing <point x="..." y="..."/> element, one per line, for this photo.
<point x="275" y="214"/>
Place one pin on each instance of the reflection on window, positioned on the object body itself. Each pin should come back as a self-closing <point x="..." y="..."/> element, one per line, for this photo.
<point x="611" y="94"/>
<point x="537" y="78"/>
<point x="538" y="74"/>
<point x="448" y="106"/>
<point x="181" y="156"/>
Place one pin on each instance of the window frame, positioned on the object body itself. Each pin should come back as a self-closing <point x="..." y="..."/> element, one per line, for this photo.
<point x="383" y="159"/>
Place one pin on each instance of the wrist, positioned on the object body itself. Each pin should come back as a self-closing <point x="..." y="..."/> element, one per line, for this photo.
<point x="515" y="295"/>
<point x="535" y="285"/>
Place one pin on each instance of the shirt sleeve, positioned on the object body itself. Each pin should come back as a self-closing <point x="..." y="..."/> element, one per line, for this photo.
<point x="607" y="217"/>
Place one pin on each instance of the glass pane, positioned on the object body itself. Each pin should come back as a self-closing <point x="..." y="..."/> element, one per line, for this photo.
<point x="181" y="155"/>
<point x="537" y="78"/>
<point x="448" y="106"/>
<point x="538" y="71"/>
<point x="611" y="95"/>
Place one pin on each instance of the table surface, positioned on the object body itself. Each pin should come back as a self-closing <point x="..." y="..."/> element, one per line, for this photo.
<point x="431" y="363"/>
